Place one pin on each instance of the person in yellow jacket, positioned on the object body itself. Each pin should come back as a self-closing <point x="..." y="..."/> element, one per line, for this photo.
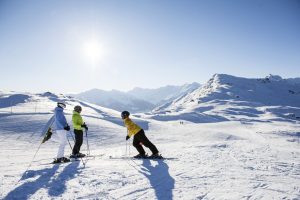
<point x="78" y="126"/>
<point x="139" y="138"/>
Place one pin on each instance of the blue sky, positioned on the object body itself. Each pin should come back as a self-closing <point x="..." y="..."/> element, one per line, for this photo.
<point x="72" y="46"/>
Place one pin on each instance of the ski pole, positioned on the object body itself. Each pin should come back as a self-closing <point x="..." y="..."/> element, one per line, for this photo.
<point x="72" y="136"/>
<point x="87" y="143"/>
<point x="30" y="162"/>
<point x="129" y="153"/>
<point x="70" y="144"/>
<point x="126" y="148"/>
<point x="72" y="149"/>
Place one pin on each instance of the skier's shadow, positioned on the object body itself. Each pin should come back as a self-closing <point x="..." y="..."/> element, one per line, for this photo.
<point x="160" y="179"/>
<point x="56" y="186"/>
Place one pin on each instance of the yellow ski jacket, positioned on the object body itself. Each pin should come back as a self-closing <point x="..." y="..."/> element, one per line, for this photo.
<point x="132" y="127"/>
<point x="77" y="121"/>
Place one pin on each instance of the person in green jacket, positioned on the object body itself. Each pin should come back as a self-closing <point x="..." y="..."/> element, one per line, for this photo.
<point x="78" y="126"/>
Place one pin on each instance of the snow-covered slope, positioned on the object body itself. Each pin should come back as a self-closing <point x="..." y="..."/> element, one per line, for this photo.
<point x="15" y="103"/>
<point x="138" y="99"/>
<point x="115" y="100"/>
<point x="225" y="160"/>
<point x="165" y="94"/>
<point x="225" y="97"/>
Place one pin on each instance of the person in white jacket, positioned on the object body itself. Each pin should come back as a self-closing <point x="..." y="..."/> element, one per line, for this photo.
<point x="62" y="127"/>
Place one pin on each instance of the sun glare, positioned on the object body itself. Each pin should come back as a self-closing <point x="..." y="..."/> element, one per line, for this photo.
<point x="92" y="51"/>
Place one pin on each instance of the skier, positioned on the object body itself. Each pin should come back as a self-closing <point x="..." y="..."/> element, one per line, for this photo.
<point x="78" y="124"/>
<point x="61" y="129"/>
<point x="139" y="138"/>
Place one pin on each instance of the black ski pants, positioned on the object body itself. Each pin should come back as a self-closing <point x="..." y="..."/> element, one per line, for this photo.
<point x="139" y="139"/>
<point x="78" y="141"/>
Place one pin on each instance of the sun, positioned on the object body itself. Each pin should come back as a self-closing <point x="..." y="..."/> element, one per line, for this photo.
<point x="92" y="51"/>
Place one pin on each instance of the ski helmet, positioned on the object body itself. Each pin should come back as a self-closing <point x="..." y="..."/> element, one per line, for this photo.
<point x="125" y="114"/>
<point x="78" y="109"/>
<point x="61" y="105"/>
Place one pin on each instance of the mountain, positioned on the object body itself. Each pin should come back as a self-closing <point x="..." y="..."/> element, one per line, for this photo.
<point x="138" y="99"/>
<point x="162" y="95"/>
<point x="115" y="100"/>
<point x="225" y="97"/>
<point x="255" y="156"/>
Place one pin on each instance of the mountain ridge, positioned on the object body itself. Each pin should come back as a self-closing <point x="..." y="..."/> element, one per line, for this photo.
<point x="224" y="96"/>
<point x="137" y="99"/>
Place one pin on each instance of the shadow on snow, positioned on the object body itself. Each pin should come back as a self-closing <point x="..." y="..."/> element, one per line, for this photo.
<point x="160" y="179"/>
<point x="56" y="185"/>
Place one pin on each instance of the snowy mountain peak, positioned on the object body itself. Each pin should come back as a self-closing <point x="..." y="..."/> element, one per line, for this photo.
<point x="138" y="99"/>
<point x="224" y="93"/>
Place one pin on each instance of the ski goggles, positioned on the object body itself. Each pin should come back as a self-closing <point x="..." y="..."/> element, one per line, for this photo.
<point x="62" y="105"/>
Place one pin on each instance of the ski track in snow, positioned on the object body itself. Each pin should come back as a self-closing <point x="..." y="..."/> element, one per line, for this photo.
<point x="227" y="160"/>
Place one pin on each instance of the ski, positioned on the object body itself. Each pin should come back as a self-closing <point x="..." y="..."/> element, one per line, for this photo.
<point x="53" y="163"/>
<point x="47" y="126"/>
<point x="94" y="156"/>
<point x="89" y="156"/>
<point x="78" y="159"/>
<point x="147" y="158"/>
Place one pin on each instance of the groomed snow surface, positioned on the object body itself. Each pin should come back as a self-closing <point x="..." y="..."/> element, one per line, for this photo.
<point x="225" y="160"/>
<point x="233" y="138"/>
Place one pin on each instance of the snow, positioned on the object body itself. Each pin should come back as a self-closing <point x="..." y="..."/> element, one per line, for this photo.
<point x="138" y="99"/>
<point x="225" y="97"/>
<point x="237" y="149"/>
<point x="227" y="160"/>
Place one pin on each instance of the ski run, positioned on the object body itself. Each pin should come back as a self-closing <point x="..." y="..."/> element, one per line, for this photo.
<point x="228" y="160"/>
<point x="225" y="147"/>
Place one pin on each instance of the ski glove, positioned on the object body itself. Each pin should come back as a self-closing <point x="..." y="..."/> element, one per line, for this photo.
<point x="48" y="135"/>
<point x="67" y="128"/>
<point x="127" y="137"/>
<point x="85" y="126"/>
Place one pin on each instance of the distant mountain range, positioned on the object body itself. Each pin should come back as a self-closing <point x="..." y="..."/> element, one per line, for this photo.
<point x="138" y="99"/>
<point x="221" y="98"/>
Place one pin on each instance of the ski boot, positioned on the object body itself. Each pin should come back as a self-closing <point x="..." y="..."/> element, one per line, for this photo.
<point x="78" y="155"/>
<point x="61" y="160"/>
<point x="139" y="156"/>
<point x="155" y="156"/>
